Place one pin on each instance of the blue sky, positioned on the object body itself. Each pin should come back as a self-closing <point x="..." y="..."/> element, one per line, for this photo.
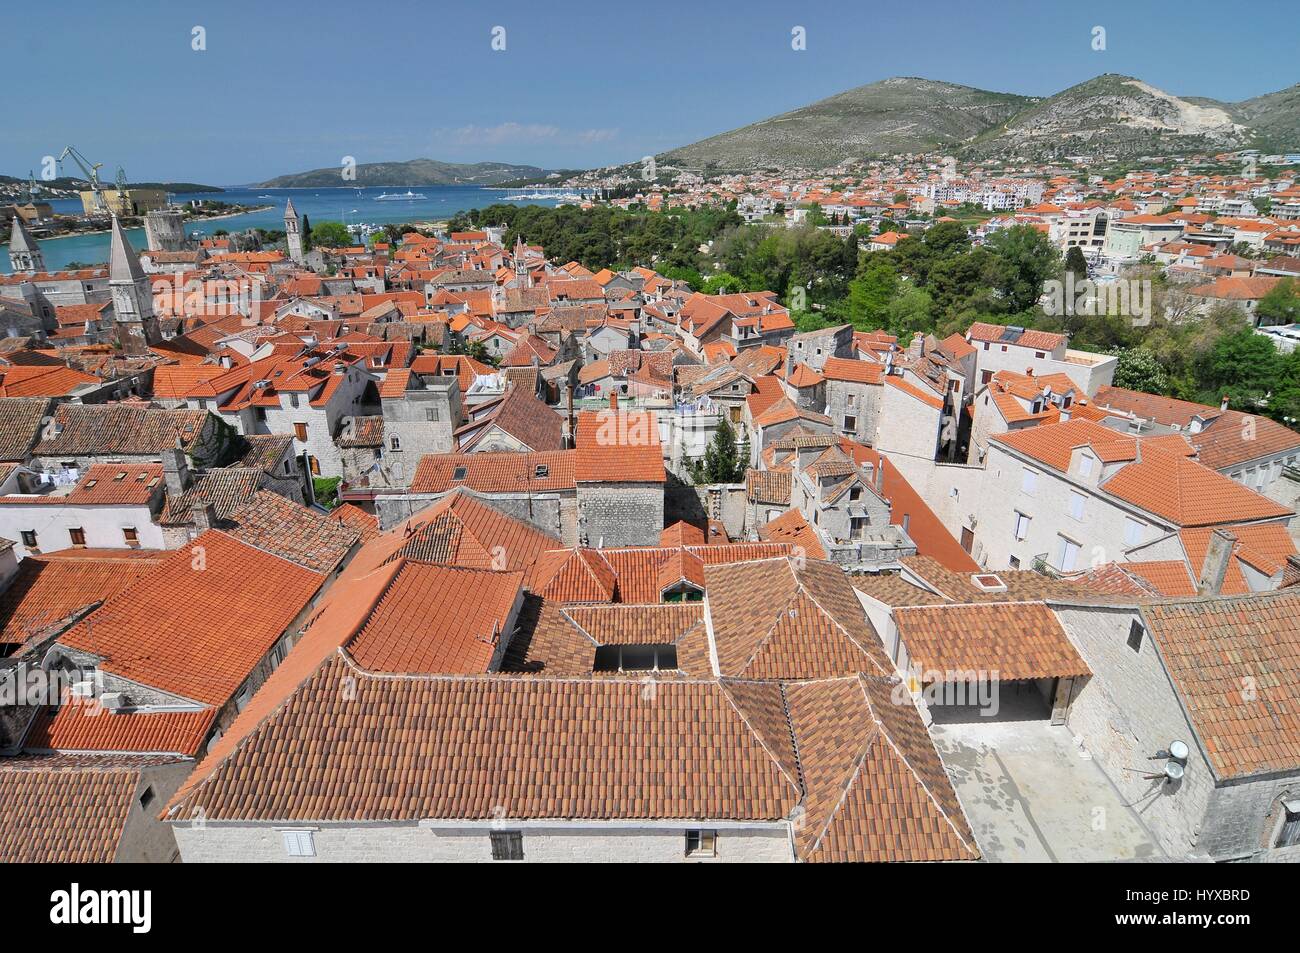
<point x="578" y="85"/>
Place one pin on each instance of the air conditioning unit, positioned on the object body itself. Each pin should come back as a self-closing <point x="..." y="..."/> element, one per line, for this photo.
<point x="114" y="701"/>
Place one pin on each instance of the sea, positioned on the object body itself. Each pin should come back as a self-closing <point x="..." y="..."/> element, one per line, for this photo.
<point x="352" y="206"/>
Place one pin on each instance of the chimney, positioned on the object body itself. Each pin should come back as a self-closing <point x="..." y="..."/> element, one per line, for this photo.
<point x="176" y="471"/>
<point x="568" y="415"/>
<point x="1215" y="567"/>
<point x="880" y="477"/>
<point x="613" y="400"/>
<point x="204" y="515"/>
<point x="917" y="347"/>
<point x="1223" y="404"/>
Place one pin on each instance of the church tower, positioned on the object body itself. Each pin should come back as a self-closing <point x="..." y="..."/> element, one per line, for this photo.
<point x="137" y="328"/>
<point x="523" y="277"/>
<point x="293" y="231"/>
<point x="24" y="254"/>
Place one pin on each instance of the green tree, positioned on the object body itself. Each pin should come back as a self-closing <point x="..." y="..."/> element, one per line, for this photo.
<point x="722" y="462"/>
<point x="1281" y="305"/>
<point x="330" y="235"/>
<point x="1138" y="369"/>
<point x="1075" y="263"/>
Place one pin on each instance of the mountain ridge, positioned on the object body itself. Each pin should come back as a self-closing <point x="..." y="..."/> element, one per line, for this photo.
<point x="1111" y="114"/>
<point x="405" y="173"/>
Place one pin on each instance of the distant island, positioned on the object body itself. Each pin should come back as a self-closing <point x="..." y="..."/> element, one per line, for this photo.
<point x="412" y="172"/>
<point x="67" y="186"/>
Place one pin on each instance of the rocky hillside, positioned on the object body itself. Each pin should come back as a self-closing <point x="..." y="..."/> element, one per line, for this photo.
<point x="898" y="115"/>
<point x="1115" y="115"/>
<point x="1108" y="115"/>
<point x="413" y="172"/>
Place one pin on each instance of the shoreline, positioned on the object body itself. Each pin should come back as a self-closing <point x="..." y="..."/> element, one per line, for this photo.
<point x="105" y="231"/>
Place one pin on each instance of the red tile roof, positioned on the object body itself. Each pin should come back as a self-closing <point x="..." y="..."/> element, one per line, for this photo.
<point x="492" y="472"/>
<point x="613" y="446"/>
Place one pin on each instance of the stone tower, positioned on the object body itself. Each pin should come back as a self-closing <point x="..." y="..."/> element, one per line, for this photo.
<point x="164" y="229"/>
<point x="523" y="277"/>
<point x="293" y="232"/>
<point x="24" y="254"/>
<point x="137" y="328"/>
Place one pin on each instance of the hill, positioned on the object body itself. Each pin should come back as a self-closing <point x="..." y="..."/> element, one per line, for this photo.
<point x="412" y="172"/>
<point x="904" y="114"/>
<point x="1108" y="115"/>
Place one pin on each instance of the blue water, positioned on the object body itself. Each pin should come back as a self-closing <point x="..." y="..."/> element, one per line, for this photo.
<point x="351" y="206"/>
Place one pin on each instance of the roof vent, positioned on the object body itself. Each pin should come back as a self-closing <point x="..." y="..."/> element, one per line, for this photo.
<point x="989" y="582"/>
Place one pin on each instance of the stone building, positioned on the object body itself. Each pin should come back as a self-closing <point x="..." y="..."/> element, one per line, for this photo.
<point x="620" y="479"/>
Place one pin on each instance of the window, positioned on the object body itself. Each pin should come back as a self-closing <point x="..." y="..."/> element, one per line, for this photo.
<point x="855" y="494"/>
<point x="459" y="473"/>
<point x="850" y="423"/>
<point x="857" y="527"/>
<point x="293" y="400"/>
<point x="541" y="471"/>
<point x="299" y="843"/>
<point x="1014" y="562"/>
<point x="394" y="442"/>
<point x="507" y="845"/>
<point x="29" y="538"/>
<point x="1028" y="480"/>
<point x="635" y="658"/>
<point x="1289" y="835"/>
<point x="130" y="536"/>
<point x="1085" y="465"/>
<point x="1132" y="531"/>
<point x="1076" y="505"/>
<point x="146" y="797"/>
<point x="431" y="414"/>
<point x="1038" y="354"/>
<point x="1067" y="554"/>
<point x="1135" y="635"/>
<point x="78" y="536"/>
<point x="1022" y="526"/>
<point x="300" y="431"/>
<point x="701" y="843"/>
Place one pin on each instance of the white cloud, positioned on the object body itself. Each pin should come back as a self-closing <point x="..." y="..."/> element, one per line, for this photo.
<point x="514" y="132"/>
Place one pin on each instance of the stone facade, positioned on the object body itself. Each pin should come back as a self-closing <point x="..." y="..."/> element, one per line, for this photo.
<point x="620" y="514"/>
<point x="469" y="842"/>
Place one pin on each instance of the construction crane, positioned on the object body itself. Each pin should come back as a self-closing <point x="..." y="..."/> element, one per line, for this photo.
<point x="91" y="172"/>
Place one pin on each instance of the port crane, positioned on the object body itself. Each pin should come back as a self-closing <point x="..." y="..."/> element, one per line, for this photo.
<point x="91" y="171"/>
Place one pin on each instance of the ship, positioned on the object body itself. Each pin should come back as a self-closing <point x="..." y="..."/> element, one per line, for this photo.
<point x="407" y="196"/>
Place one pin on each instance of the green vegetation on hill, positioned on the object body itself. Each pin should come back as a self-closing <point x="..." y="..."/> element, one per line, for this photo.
<point x="412" y="172"/>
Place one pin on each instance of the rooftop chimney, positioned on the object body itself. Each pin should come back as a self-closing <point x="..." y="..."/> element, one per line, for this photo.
<point x="205" y="515"/>
<point x="1215" y="567"/>
<point x="176" y="470"/>
<point x="1223" y="404"/>
<point x="613" y="400"/>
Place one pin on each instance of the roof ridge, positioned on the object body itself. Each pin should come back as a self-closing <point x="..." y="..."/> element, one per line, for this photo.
<point x="919" y="780"/>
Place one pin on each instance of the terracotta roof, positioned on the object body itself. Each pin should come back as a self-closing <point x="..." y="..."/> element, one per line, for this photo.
<point x="48" y="588"/>
<point x="265" y="451"/>
<point x="1006" y="641"/>
<point x="682" y="533"/>
<point x="613" y="446"/>
<point x="876" y="789"/>
<point x="998" y="334"/>
<point x="88" y="728"/>
<point x="1214" y="647"/>
<point x="792" y="527"/>
<point x="859" y="372"/>
<point x="522" y="416"/>
<point x="558" y="640"/>
<point x="225" y="488"/>
<point x="436" y="618"/>
<point x="58" y="809"/>
<point x="629" y="575"/>
<point x="493" y="472"/>
<point x="292" y="532"/>
<point x="240" y="598"/>
<point x="112" y="484"/>
<point x="97" y="429"/>
<point x="42" y="381"/>
<point x="768" y="486"/>
<point x="1227" y="437"/>
<point x="20" y="425"/>
<point x="353" y="516"/>
<point x="809" y="624"/>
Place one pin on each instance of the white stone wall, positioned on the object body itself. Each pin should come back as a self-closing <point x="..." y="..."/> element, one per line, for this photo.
<point x="1100" y="533"/>
<point x="907" y="426"/>
<point x="1126" y="713"/>
<point x="409" y="843"/>
<point x="102" y="525"/>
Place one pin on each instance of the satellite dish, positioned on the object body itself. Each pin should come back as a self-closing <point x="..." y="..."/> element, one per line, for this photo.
<point x="1174" y="771"/>
<point x="1178" y="751"/>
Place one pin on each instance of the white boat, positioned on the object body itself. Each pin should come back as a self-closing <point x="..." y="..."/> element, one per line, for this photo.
<point x="407" y="196"/>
